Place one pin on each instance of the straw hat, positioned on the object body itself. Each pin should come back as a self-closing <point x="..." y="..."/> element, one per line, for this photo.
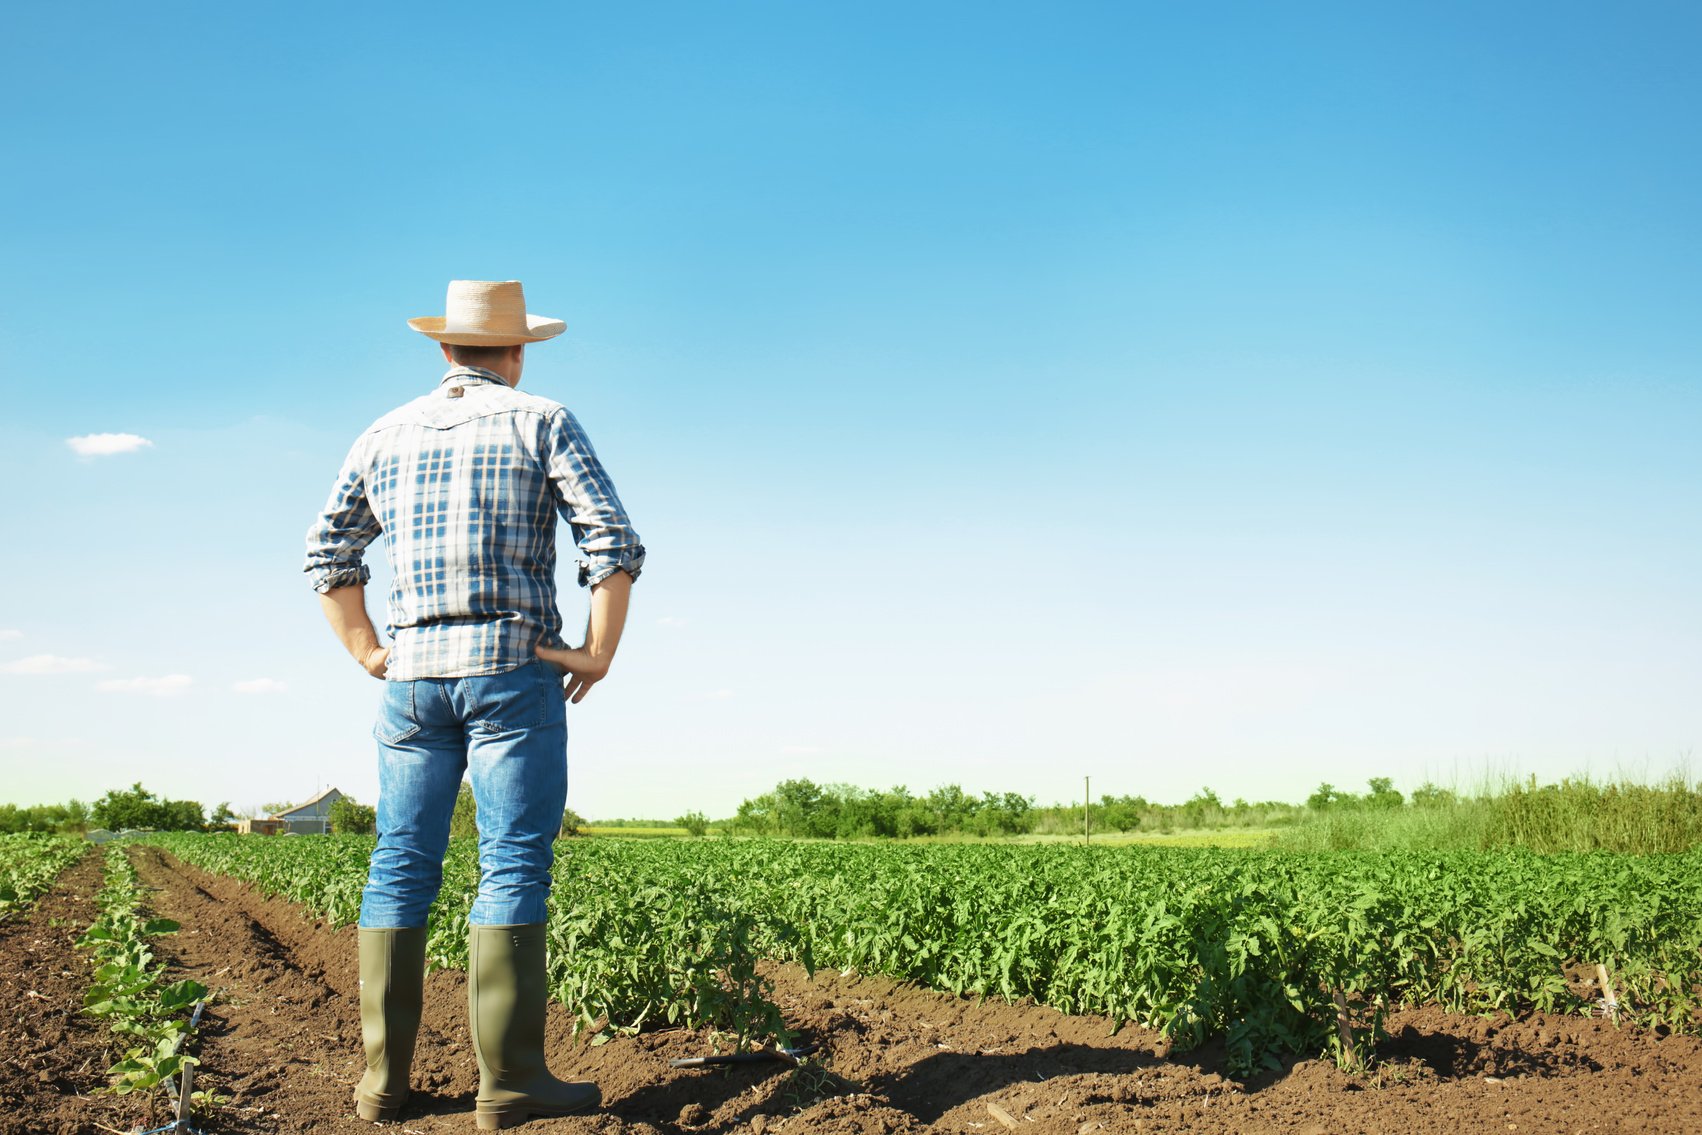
<point x="486" y="313"/>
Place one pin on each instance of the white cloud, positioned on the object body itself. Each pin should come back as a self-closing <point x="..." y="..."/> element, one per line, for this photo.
<point x="260" y="686"/>
<point x="168" y="686"/>
<point x="800" y="750"/>
<point x="105" y="445"/>
<point x="670" y="621"/>
<point x="52" y="664"/>
<point x="715" y="695"/>
<point x="9" y="634"/>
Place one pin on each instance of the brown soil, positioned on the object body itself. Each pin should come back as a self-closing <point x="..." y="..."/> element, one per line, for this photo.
<point x="283" y="1043"/>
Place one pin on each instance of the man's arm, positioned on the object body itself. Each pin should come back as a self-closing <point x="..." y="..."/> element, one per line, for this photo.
<point x="585" y="666"/>
<point x="345" y="610"/>
<point x="585" y="497"/>
<point x="336" y="544"/>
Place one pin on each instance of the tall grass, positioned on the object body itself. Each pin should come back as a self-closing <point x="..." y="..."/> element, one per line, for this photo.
<point x="1574" y="815"/>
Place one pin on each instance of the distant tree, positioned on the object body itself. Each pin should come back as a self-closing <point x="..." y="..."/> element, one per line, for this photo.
<point x="1002" y="814"/>
<point x="1328" y="796"/>
<point x="277" y="806"/>
<point x="180" y="816"/>
<point x="1203" y="809"/>
<point x="139" y="808"/>
<point x="1428" y="795"/>
<point x="953" y="806"/>
<point x="350" y="818"/>
<point x="695" y="823"/>
<point x="757" y="816"/>
<point x="1119" y="813"/>
<point x="572" y="823"/>
<point x="1383" y="794"/>
<point x="915" y="819"/>
<point x="798" y="808"/>
<point x="222" y="819"/>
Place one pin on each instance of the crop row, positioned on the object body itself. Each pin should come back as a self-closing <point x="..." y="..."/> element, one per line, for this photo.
<point x="29" y="863"/>
<point x="1275" y="952"/>
<point x="129" y="990"/>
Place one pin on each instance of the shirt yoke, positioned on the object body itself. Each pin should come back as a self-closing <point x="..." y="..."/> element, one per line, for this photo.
<point x="484" y="400"/>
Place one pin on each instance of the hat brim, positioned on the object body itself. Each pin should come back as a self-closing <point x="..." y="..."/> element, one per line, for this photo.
<point x="538" y="329"/>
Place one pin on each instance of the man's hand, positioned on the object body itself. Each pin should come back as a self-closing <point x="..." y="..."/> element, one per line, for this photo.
<point x="585" y="666"/>
<point x="377" y="661"/>
<point x="578" y="667"/>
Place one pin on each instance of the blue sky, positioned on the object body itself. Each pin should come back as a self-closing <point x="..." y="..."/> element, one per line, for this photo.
<point x="1236" y="395"/>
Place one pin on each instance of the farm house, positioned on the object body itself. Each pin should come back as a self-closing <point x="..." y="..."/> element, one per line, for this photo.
<point x="312" y="817"/>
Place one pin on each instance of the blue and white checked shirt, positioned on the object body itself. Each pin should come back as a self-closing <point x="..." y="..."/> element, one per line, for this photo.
<point x="465" y="484"/>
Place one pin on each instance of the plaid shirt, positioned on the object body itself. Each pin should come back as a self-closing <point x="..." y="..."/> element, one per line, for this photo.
<point x="465" y="484"/>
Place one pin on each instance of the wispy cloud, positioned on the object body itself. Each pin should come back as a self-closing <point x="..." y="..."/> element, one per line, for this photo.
<point x="714" y="695"/>
<point x="106" y="445"/>
<point x="260" y="686"/>
<point x="53" y="664"/>
<point x="164" y="687"/>
<point x="670" y="621"/>
<point x="10" y="634"/>
<point x="799" y="750"/>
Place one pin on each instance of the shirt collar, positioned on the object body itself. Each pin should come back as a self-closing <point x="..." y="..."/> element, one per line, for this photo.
<point x="471" y="376"/>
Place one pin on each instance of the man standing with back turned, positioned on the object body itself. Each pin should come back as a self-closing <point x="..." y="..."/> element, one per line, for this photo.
<point x="465" y="484"/>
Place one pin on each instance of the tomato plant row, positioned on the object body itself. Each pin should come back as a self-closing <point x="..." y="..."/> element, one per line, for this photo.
<point x="1280" y="953"/>
<point x="129" y="989"/>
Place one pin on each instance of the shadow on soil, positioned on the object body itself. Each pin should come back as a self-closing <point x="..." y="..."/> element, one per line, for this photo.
<point x="926" y="1090"/>
<point x="1455" y="1057"/>
<point x="937" y="1084"/>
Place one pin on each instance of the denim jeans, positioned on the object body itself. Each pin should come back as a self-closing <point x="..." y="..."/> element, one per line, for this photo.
<point x="509" y="731"/>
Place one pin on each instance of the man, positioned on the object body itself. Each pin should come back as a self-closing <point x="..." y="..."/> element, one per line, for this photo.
<point x="465" y="484"/>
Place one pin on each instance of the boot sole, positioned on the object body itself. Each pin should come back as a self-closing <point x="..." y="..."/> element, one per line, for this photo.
<point x="514" y="1117"/>
<point x="377" y="1113"/>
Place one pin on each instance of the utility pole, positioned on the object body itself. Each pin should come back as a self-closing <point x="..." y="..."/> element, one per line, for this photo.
<point x="1086" y="805"/>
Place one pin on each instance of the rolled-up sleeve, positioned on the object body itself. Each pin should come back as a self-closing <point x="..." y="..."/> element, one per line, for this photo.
<point x="337" y="541"/>
<point x="585" y="497"/>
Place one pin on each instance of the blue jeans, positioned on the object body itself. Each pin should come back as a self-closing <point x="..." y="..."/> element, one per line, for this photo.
<point x="510" y="732"/>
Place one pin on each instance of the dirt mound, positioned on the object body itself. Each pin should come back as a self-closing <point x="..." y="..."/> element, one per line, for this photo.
<point x="284" y="1044"/>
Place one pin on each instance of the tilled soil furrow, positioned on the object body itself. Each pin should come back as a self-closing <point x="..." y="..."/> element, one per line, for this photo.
<point x="274" y="1022"/>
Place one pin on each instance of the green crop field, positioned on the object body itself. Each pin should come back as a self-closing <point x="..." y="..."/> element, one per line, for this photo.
<point x="29" y="863"/>
<point x="1278" y="953"/>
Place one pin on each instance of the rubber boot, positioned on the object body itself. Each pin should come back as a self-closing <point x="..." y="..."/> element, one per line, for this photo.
<point x="505" y="1005"/>
<point x="392" y="981"/>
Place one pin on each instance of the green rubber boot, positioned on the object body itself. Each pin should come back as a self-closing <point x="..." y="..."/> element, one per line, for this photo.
<point x="505" y="1005"/>
<point x="392" y="982"/>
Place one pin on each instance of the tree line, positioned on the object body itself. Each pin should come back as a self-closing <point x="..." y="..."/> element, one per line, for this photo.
<point x="801" y="808"/>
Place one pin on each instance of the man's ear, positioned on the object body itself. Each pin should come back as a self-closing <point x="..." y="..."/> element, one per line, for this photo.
<point x="447" y="357"/>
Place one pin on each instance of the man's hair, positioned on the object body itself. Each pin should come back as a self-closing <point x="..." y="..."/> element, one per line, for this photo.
<point x="477" y="356"/>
